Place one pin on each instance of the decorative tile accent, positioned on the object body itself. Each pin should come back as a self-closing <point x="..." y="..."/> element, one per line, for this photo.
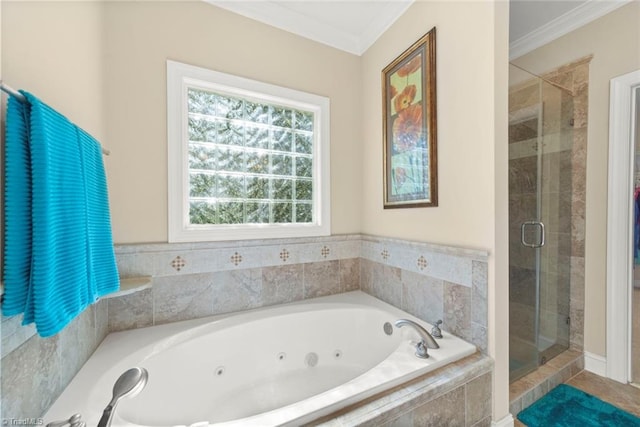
<point x="422" y="263"/>
<point x="178" y="263"/>
<point x="284" y="255"/>
<point x="444" y="262"/>
<point x="325" y="251"/>
<point x="236" y="259"/>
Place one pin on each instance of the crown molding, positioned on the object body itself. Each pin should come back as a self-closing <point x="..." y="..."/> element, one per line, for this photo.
<point x="273" y="14"/>
<point x="378" y="26"/>
<point x="564" y="24"/>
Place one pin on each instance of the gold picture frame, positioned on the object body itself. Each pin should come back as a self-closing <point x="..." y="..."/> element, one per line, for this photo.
<point x="409" y="127"/>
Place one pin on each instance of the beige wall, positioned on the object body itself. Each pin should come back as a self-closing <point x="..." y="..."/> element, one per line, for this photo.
<point x="472" y="76"/>
<point x="53" y="50"/>
<point x="614" y="41"/>
<point x="103" y="66"/>
<point x="465" y="126"/>
<point x="140" y="37"/>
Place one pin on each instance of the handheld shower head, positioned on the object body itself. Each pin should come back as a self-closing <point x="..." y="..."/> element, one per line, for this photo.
<point x="129" y="384"/>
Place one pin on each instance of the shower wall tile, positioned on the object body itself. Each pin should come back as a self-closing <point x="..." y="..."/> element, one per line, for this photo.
<point x="576" y="303"/>
<point x="578" y="215"/>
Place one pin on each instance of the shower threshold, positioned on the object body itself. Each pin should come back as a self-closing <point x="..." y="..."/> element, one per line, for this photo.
<point x="532" y="386"/>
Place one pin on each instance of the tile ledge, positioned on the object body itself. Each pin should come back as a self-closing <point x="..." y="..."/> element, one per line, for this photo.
<point x="475" y="253"/>
<point x="130" y="285"/>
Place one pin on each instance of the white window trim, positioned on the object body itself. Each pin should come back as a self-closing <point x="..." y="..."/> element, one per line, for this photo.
<point x="181" y="76"/>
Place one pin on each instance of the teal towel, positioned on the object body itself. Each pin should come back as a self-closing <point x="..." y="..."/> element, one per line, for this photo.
<point x="17" y="205"/>
<point x="72" y="261"/>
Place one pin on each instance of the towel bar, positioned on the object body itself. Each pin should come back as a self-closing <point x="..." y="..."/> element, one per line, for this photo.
<point x="20" y="97"/>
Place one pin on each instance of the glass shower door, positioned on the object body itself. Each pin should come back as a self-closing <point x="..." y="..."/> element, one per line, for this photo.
<point x="540" y="200"/>
<point x="525" y="238"/>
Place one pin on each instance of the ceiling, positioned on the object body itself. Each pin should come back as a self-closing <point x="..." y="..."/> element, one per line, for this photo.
<point x="354" y="25"/>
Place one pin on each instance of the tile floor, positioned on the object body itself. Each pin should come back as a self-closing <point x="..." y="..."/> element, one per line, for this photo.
<point x="624" y="396"/>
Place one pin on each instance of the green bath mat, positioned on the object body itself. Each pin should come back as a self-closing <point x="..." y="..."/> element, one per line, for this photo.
<point x="566" y="406"/>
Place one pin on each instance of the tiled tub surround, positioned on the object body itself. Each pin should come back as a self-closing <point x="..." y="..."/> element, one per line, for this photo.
<point x="456" y="395"/>
<point x="431" y="282"/>
<point x="36" y="370"/>
<point x="196" y="280"/>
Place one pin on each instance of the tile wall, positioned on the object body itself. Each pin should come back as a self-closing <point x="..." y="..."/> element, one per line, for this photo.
<point x="196" y="280"/>
<point x="36" y="370"/>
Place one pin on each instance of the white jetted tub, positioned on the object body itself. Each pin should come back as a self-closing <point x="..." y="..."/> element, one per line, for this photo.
<point x="281" y="365"/>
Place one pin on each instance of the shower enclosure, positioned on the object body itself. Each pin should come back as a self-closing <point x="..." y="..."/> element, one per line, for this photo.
<point x="540" y="200"/>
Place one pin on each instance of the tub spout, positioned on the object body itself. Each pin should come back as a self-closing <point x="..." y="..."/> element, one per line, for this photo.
<point x="426" y="340"/>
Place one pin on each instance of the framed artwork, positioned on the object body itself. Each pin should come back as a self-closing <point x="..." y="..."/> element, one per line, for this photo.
<point x="409" y="127"/>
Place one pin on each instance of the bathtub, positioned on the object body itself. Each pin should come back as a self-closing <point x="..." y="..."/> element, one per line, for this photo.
<point x="282" y="365"/>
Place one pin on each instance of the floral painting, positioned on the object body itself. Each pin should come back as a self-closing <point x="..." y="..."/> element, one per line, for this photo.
<point x="410" y="127"/>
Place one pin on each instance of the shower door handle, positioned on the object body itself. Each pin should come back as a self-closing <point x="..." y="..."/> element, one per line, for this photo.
<point x="523" y="229"/>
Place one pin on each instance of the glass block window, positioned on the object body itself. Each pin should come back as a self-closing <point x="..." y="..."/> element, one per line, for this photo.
<point x="244" y="161"/>
<point x="249" y="162"/>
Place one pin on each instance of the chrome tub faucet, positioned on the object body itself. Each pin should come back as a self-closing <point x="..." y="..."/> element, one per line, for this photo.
<point x="426" y="340"/>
